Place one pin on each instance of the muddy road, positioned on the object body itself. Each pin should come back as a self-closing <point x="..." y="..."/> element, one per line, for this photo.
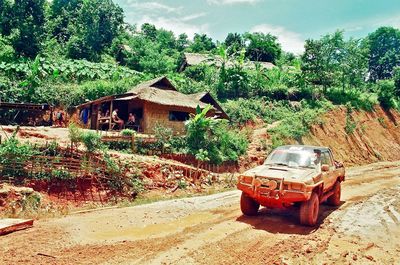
<point x="365" y="229"/>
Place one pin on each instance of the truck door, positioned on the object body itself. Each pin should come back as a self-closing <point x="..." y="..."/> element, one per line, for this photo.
<point x="328" y="176"/>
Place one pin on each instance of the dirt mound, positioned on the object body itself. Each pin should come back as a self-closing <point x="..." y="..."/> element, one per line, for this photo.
<point x="370" y="136"/>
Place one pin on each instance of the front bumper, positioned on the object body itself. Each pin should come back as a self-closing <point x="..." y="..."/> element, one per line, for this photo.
<point x="275" y="196"/>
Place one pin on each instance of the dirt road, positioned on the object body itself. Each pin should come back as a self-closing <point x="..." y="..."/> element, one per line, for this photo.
<point x="365" y="229"/>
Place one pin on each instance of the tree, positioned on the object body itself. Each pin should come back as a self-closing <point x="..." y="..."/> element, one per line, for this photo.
<point x="262" y="47"/>
<point x="234" y="42"/>
<point x="27" y="21"/>
<point x="98" y="23"/>
<point x="149" y="31"/>
<point x="202" y="43"/>
<point x="354" y="63"/>
<point x="384" y="55"/>
<point x="63" y="16"/>
<point x="322" y="59"/>
<point x="5" y="17"/>
<point x="182" y="42"/>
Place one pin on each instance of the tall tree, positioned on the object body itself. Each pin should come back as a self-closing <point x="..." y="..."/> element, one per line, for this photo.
<point x="322" y="59"/>
<point x="182" y="42"/>
<point x="27" y="26"/>
<point x="384" y="46"/>
<point x="150" y="31"/>
<point x="202" y="43"/>
<point x="234" y="42"/>
<point x="354" y="63"/>
<point x="5" y="17"/>
<point x="262" y="47"/>
<point x="63" y="16"/>
<point x="98" y="23"/>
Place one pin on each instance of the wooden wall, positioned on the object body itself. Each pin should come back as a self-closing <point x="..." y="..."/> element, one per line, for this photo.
<point x="154" y="113"/>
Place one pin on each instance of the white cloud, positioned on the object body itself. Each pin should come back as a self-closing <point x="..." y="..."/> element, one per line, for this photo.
<point x="290" y="41"/>
<point x="152" y="6"/>
<point x="232" y="2"/>
<point x="176" y="25"/>
<point x="193" y="16"/>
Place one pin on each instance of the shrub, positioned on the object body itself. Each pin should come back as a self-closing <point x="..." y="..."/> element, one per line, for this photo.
<point x="295" y="125"/>
<point x="386" y="94"/>
<point x="127" y="132"/>
<point x="74" y="134"/>
<point x="13" y="156"/>
<point x="212" y="140"/>
<point x="92" y="141"/>
<point x="351" y="125"/>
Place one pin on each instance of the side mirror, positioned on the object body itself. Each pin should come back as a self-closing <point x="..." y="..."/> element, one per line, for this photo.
<point x="324" y="168"/>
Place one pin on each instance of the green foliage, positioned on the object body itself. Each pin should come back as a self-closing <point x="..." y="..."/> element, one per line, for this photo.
<point x="74" y="134"/>
<point x="356" y="97"/>
<point x="202" y="43"/>
<point x="211" y="140"/>
<point x="97" y="24"/>
<point x="297" y="124"/>
<point x="91" y="141"/>
<point x="27" y="26"/>
<point x="13" y="156"/>
<point x="127" y="132"/>
<point x="262" y="47"/>
<point x="351" y="125"/>
<point x="384" y="55"/>
<point x="387" y="94"/>
<point x="7" y="52"/>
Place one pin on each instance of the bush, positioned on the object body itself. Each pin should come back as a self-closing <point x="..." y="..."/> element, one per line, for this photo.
<point x="213" y="140"/>
<point x="127" y="132"/>
<point x="296" y="125"/>
<point x="74" y="134"/>
<point x="386" y="94"/>
<point x="92" y="141"/>
<point x="13" y="156"/>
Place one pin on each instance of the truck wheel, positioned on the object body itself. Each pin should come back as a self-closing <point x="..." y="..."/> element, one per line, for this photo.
<point x="309" y="211"/>
<point x="334" y="199"/>
<point x="248" y="205"/>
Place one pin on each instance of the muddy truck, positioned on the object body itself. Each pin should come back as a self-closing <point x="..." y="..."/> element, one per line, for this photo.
<point x="293" y="175"/>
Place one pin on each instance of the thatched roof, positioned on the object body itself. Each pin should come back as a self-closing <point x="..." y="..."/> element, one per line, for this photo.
<point x="161" y="91"/>
<point x="197" y="58"/>
<point x="193" y="59"/>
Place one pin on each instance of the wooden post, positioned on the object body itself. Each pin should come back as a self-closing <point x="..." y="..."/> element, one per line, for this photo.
<point x="111" y="121"/>
<point x="132" y="143"/>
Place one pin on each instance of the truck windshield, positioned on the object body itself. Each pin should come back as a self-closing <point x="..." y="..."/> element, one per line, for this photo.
<point x="293" y="158"/>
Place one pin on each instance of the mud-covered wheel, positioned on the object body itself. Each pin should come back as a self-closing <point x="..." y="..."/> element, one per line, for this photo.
<point x="334" y="199"/>
<point x="309" y="211"/>
<point x="248" y="205"/>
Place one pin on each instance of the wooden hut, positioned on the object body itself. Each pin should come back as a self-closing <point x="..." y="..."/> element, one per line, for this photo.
<point x="153" y="102"/>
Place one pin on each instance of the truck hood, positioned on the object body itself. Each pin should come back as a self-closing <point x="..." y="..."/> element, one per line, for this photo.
<point x="288" y="173"/>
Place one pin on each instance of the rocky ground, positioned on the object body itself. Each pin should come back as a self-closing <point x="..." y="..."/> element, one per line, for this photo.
<point x="211" y="230"/>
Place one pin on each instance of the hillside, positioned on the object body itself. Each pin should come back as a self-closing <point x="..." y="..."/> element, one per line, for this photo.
<point x="375" y="137"/>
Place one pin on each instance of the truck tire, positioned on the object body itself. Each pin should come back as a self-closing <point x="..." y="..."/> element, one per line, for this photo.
<point x="248" y="205"/>
<point x="334" y="199"/>
<point x="309" y="211"/>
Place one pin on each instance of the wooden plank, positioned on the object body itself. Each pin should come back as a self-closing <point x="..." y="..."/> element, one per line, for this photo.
<point x="10" y="225"/>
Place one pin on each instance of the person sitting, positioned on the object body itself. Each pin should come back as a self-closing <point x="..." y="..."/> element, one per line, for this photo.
<point x="117" y="119"/>
<point x="131" y="120"/>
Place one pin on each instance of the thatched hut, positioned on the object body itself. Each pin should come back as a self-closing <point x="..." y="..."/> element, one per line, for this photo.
<point x="153" y="102"/>
<point x="193" y="59"/>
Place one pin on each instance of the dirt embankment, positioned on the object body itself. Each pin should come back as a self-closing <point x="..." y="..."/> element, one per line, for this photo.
<point x="376" y="135"/>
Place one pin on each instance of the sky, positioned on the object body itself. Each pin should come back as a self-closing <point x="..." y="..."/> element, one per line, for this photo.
<point x="292" y="21"/>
